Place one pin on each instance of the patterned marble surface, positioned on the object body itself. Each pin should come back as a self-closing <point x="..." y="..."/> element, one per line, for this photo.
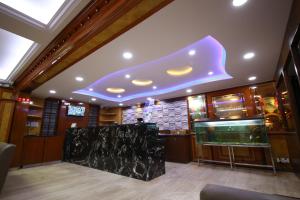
<point x="132" y="150"/>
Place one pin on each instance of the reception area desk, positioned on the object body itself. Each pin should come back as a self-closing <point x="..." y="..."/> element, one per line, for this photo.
<point x="132" y="150"/>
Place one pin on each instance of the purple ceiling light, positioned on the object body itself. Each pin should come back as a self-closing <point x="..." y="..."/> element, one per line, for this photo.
<point x="209" y="56"/>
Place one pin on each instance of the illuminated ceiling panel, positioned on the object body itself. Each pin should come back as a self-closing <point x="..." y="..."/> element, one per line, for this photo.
<point x="12" y="49"/>
<point x="41" y="10"/>
<point x="210" y="56"/>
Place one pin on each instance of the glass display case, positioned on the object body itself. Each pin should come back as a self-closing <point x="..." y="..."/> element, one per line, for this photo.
<point x="248" y="131"/>
<point x="231" y="106"/>
<point x="266" y="105"/>
<point x="197" y="108"/>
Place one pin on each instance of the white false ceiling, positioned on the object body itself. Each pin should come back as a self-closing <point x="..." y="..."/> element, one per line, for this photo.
<point x="258" y="26"/>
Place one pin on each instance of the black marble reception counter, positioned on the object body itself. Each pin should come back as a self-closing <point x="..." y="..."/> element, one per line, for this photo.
<point x="132" y="150"/>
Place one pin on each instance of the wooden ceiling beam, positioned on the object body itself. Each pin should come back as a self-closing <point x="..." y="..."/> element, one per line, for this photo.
<point x="98" y="23"/>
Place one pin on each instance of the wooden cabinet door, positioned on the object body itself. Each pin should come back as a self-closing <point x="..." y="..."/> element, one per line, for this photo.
<point x="33" y="150"/>
<point x="53" y="148"/>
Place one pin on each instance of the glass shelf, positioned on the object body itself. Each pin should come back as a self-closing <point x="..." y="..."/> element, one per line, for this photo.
<point x="229" y="106"/>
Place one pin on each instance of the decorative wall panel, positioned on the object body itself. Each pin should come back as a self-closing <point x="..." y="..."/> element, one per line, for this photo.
<point x="167" y="115"/>
<point x="7" y="105"/>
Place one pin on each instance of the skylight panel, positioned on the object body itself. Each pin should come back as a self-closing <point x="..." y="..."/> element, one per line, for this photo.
<point x="40" y="10"/>
<point x="12" y="49"/>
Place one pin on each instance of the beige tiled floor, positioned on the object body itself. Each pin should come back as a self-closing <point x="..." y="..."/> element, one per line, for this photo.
<point x="182" y="181"/>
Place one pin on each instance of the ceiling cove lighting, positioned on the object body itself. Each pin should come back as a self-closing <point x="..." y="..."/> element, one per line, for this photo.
<point x="189" y="90"/>
<point x="192" y="52"/>
<point x="252" y="78"/>
<point x="180" y="71"/>
<point x="13" y="49"/>
<point x="237" y="3"/>
<point x="141" y="82"/>
<point x="52" y="91"/>
<point x="127" y="76"/>
<point x="216" y="62"/>
<point x="79" y="78"/>
<point x="248" y="55"/>
<point x="127" y="55"/>
<point x="115" y="90"/>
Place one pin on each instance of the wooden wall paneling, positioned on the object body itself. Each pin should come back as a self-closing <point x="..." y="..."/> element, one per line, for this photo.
<point x="7" y="105"/>
<point x="291" y="28"/>
<point x="293" y="138"/>
<point x="53" y="148"/>
<point x="64" y="121"/>
<point x="33" y="150"/>
<point x="295" y="52"/>
<point x="278" y="141"/>
<point x="18" y="129"/>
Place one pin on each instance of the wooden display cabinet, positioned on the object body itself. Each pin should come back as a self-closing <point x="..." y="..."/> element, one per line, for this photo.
<point x="34" y="117"/>
<point x="110" y="116"/>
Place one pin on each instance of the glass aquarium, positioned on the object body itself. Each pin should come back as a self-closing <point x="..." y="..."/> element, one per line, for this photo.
<point x="248" y="131"/>
<point x="231" y="106"/>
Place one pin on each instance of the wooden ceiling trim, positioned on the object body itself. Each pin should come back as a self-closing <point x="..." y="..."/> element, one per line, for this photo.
<point x="99" y="23"/>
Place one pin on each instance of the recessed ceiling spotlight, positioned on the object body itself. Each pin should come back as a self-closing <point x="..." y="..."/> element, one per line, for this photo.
<point x="115" y="90"/>
<point x="52" y="91"/>
<point x="93" y="99"/>
<point x="80" y="103"/>
<point x="252" y="78"/>
<point x="189" y="90"/>
<point x="210" y="73"/>
<point x="248" y="55"/>
<point x="180" y="71"/>
<point x="127" y="55"/>
<point x="79" y="78"/>
<point x="71" y="98"/>
<point x="120" y="104"/>
<point x="141" y="82"/>
<point x="154" y="87"/>
<point x="253" y="87"/>
<point x="127" y="76"/>
<point x="192" y="52"/>
<point x="91" y="89"/>
<point x="237" y="3"/>
<point x="149" y="98"/>
<point x="119" y="96"/>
